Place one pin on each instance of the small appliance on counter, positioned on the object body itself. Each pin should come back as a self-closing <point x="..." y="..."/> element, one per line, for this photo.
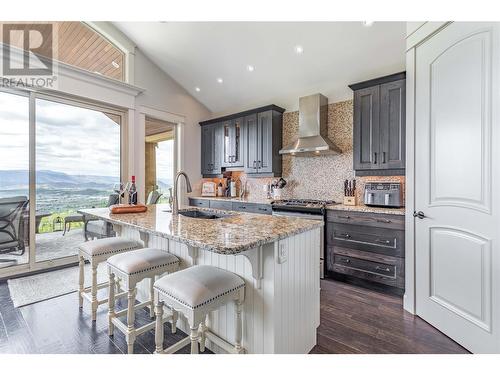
<point x="383" y="194"/>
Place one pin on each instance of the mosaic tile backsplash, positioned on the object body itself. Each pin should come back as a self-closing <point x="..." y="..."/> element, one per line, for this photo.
<point x="319" y="177"/>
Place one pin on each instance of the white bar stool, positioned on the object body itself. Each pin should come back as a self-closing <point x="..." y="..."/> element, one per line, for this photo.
<point x="195" y="292"/>
<point x="96" y="252"/>
<point x="133" y="267"/>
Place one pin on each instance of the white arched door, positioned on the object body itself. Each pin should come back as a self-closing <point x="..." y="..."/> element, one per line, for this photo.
<point x="457" y="183"/>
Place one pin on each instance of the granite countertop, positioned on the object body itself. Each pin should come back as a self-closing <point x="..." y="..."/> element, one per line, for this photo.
<point x="363" y="208"/>
<point x="229" y="235"/>
<point x="236" y="199"/>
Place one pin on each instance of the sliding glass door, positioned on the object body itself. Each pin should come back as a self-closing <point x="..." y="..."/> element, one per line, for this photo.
<point x="77" y="165"/>
<point x="56" y="156"/>
<point x="14" y="180"/>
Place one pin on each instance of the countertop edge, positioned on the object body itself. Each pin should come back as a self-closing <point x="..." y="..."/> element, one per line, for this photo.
<point x="217" y="250"/>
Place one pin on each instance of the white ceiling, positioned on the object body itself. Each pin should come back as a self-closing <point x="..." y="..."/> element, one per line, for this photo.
<point x="335" y="54"/>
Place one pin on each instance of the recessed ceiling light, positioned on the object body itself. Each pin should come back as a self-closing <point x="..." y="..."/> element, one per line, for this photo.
<point x="197" y="89"/>
<point x="250" y="68"/>
<point x="220" y="80"/>
<point x="299" y="50"/>
<point x="368" y="23"/>
<point x="115" y="64"/>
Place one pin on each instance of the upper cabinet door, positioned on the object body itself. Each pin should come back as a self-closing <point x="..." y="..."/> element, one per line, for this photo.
<point x="392" y="125"/>
<point x="251" y="135"/>
<point x="227" y="145"/>
<point x="237" y="142"/>
<point x="366" y="128"/>
<point x="232" y="155"/>
<point x="265" y="142"/>
<point x="217" y="148"/>
<point x="207" y="150"/>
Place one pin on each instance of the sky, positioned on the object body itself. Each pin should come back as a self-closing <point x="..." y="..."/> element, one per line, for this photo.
<point x="69" y="139"/>
<point x="164" y="160"/>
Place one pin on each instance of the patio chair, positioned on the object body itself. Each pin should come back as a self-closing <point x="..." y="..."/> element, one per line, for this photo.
<point x="12" y="211"/>
<point x="95" y="228"/>
<point x="153" y="197"/>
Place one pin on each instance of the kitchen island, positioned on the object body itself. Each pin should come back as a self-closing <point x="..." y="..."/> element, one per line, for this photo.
<point x="278" y="257"/>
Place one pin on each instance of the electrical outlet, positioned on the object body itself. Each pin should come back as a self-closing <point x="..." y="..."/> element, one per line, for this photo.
<point x="282" y="253"/>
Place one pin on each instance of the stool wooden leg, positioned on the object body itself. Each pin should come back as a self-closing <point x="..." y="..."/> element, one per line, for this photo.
<point x="81" y="280"/>
<point x="175" y="316"/>
<point x="130" y="336"/>
<point x="111" y="304"/>
<point x="94" y="291"/>
<point x="118" y="285"/>
<point x="203" y="329"/>
<point x="159" y="327"/>
<point x="151" y="298"/>
<point x="238" y="326"/>
<point x="194" y="339"/>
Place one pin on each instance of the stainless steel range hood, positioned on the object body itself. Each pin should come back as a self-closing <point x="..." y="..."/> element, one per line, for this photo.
<point x="313" y="129"/>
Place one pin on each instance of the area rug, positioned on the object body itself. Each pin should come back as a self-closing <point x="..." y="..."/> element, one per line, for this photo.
<point x="30" y="289"/>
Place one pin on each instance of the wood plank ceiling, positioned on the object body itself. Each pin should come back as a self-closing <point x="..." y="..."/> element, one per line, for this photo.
<point x="80" y="46"/>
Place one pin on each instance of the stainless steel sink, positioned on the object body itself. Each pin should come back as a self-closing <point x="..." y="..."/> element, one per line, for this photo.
<point x="203" y="214"/>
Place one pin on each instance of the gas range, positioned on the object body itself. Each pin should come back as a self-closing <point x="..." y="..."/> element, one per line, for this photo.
<point x="308" y="206"/>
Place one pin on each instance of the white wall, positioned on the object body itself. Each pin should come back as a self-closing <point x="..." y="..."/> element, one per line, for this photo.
<point x="161" y="92"/>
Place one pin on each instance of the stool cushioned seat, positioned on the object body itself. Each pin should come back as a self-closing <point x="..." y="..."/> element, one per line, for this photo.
<point x="142" y="260"/>
<point x="108" y="246"/>
<point x="198" y="285"/>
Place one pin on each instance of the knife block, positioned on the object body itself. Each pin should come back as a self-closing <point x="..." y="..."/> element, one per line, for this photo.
<point x="349" y="201"/>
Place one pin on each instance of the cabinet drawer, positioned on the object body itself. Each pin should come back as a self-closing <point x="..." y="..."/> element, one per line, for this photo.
<point x="367" y="218"/>
<point x="221" y="205"/>
<point x="199" y="202"/>
<point x="378" y="268"/>
<point x="386" y="270"/>
<point x="377" y="240"/>
<point x="254" y="208"/>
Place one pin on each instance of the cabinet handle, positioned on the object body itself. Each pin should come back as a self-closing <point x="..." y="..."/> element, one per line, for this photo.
<point x="375" y="158"/>
<point x="385" y="221"/>
<point x="345" y="260"/>
<point x="346" y="235"/>
<point x="254" y="164"/>
<point x="258" y="164"/>
<point x="383" y="157"/>
<point x="262" y="209"/>
<point x="378" y="268"/>
<point x="382" y="241"/>
<point x="344" y="217"/>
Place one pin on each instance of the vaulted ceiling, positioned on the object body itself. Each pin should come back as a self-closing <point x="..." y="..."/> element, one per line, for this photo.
<point x="335" y="54"/>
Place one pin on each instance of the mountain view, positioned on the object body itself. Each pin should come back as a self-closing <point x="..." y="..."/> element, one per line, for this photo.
<point x="61" y="192"/>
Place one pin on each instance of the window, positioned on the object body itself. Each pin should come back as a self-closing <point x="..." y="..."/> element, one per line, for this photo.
<point x="73" y="163"/>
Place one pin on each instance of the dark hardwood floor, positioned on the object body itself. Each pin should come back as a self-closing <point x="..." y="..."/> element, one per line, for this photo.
<point x="358" y="320"/>
<point x="353" y="320"/>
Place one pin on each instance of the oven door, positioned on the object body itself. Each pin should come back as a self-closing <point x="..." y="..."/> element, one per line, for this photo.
<point x="310" y="216"/>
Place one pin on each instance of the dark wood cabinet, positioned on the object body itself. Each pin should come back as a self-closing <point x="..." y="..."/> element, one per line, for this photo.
<point x="211" y="141"/>
<point x="263" y="133"/>
<point x="366" y="128"/>
<point x="366" y="246"/>
<point x="249" y="141"/>
<point x="379" y="125"/>
<point x="392" y="124"/>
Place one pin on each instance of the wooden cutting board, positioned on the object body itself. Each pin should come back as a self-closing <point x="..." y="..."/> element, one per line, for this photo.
<point x="127" y="208"/>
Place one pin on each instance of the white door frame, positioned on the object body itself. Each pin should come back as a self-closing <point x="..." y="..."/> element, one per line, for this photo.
<point x="138" y="144"/>
<point x="412" y="41"/>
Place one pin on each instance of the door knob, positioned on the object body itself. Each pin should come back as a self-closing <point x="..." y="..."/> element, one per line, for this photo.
<point x="419" y="214"/>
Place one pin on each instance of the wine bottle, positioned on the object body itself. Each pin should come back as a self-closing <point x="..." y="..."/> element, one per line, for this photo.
<point x="132" y="192"/>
